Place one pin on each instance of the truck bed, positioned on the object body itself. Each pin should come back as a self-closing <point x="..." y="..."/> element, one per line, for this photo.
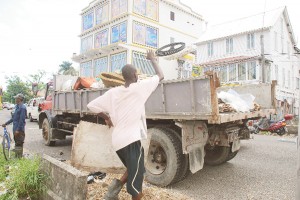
<point x="190" y="99"/>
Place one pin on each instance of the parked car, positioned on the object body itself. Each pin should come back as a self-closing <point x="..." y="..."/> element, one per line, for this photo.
<point x="5" y="104"/>
<point x="32" y="108"/>
<point x="10" y="106"/>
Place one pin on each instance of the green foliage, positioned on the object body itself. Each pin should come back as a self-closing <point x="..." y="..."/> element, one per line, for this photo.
<point x="66" y="68"/>
<point x="15" y="86"/>
<point x="37" y="78"/>
<point x="25" y="179"/>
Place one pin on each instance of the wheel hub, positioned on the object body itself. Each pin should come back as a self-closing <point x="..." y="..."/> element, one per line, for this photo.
<point x="156" y="162"/>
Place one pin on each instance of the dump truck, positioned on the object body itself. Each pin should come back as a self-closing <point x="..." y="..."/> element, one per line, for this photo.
<point x="183" y="117"/>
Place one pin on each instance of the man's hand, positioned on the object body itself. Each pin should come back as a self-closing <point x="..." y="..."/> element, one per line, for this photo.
<point x="109" y="123"/>
<point x="150" y="55"/>
<point x="3" y="125"/>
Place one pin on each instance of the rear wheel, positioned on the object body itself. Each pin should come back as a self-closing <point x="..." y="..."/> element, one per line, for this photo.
<point x="47" y="133"/>
<point x="175" y="130"/>
<point x="164" y="161"/>
<point x="216" y="155"/>
<point x="30" y="118"/>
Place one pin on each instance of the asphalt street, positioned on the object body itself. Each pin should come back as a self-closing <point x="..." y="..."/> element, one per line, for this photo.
<point x="265" y="168"/>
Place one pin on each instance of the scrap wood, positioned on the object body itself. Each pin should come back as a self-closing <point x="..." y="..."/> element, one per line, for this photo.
<point x="223" y="107"/>
<point x="96" y="191"/>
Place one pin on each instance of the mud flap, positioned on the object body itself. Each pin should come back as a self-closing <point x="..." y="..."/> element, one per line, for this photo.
<point x="196" y="157"/>
<point x="194" y="138"/>
<point x="236" y="145"/>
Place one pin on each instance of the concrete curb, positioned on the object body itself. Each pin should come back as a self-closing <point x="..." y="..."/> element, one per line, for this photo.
<point x="65" y="182"/>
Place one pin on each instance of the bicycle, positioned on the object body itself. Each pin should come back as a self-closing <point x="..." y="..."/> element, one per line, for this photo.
<point x="6" y="145"/>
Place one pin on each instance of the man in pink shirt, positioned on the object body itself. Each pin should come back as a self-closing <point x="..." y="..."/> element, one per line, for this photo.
<point x="123" y="108"/>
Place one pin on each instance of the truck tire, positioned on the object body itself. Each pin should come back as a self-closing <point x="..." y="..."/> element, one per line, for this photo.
<point x="216" y="155"/>
<point x="231" y="154"/>
<point x="30" y="118"/>
<point x="184" y="157"/>
<point x="47" y="133"/>
<point x="164" y="158"/>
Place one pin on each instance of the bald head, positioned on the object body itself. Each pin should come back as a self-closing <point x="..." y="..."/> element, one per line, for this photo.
<point x="129" y="73"/>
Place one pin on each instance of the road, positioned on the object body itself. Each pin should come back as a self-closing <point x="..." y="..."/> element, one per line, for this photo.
<point x="265" y="168"/>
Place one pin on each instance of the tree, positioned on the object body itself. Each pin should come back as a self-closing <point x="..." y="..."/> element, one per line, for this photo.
<point x="66" y="68"/>
<point x="36" y="79"/>
<point x="15" y="86"/>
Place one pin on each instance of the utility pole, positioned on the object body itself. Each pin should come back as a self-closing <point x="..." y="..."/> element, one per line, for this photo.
<point x="298" y="152"/>
<point x="263" y="69"/>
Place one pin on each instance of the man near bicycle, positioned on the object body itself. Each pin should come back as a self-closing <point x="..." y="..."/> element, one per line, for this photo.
<point x="18" y="120"/>
<point x="126" y="108"/>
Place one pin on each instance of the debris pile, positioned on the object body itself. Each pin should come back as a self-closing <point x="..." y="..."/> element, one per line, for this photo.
<point x="97" y="190"/>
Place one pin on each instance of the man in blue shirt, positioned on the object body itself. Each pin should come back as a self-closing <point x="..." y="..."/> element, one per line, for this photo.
<point x="18" y="121"/>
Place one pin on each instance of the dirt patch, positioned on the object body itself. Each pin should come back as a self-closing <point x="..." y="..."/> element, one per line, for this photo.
<point x="97" y="190"/>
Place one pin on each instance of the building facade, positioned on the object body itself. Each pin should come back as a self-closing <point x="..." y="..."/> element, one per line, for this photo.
<point x="117" y="32"/>
<point x="235" y="50"/>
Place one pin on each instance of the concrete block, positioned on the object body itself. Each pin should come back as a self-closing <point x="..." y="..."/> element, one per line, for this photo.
<point x="65" y="182"/>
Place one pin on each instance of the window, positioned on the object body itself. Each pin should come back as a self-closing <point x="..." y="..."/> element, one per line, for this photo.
<point x="251" y="70"/>
<point x="282" y="45"/>
<point x="147" y="8"/>
<point x="210" y="48"/>
<point x="101" y="39"/>
<point x="276" y="72"/>
<point x="102" y="14"/>
<point x="232" y="72"/>
<point x="229" y="45"/>
<point x="145" y="35"/>
<point x="86" y="69"/>
<point x="223" y="74"/>
<point x="275" y="41"/>
<point x="241" y="72"/>
<point x="119" y="33"/>
<point x="118" y="61"/>
<point x="297" y="83"/>
<point x="100" y="65"/>
<point x="86" y="44"/>
<point x="172" y="16"/>
<point x="250" y="41"/>
<point x="88" y="21"/>
<point x="118" y="7"/>
<point x="141" y="63"/>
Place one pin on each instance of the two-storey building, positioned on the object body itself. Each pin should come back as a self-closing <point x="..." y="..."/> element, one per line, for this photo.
<point x="117" y="32"/>
<point x="236" y="49"/>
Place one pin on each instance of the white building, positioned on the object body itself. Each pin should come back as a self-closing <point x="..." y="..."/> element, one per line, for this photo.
<point x="234" y="50"/>
<point x="117" y="32"/>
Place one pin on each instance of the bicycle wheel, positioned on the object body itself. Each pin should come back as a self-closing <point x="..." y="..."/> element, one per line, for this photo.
<point x="6" y="147"/>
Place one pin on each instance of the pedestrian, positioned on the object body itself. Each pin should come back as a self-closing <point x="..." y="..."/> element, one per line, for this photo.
<point x="123" y="108"/>
<point x="18" y="120"/>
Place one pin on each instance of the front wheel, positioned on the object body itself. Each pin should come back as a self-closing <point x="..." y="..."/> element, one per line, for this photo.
<point x="47" y="133"/>
<point x="6" y="147"/>
<point x="216" y="155"/>
<point x="281" y="131"/>
<point x="164" y="161"/>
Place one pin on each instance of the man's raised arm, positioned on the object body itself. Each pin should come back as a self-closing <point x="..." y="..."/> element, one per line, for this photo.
<point x="158" y="70"/>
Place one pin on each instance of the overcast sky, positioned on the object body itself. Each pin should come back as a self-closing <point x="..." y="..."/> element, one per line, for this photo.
<point x="40" y="34"/>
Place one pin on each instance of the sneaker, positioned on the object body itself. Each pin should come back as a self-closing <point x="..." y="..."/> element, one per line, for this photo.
<point x="113" y="190"/>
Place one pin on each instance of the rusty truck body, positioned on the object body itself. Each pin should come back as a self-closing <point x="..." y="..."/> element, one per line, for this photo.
<point x="183" y="117"/>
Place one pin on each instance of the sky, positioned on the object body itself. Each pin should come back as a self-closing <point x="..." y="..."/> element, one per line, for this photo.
<point x="40" y="34"/>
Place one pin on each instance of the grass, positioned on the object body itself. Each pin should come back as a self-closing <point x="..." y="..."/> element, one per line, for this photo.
<point x="25" y="178"/>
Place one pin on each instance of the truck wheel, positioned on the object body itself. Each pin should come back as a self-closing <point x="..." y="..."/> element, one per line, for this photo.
<point x="30" y="118"/>
<point x="232" y="154"/>
<point x="216" y="155"/>
<point x="47" y="134"/>
<point x="164" y="160"/>
<point x="184" y="157"/>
